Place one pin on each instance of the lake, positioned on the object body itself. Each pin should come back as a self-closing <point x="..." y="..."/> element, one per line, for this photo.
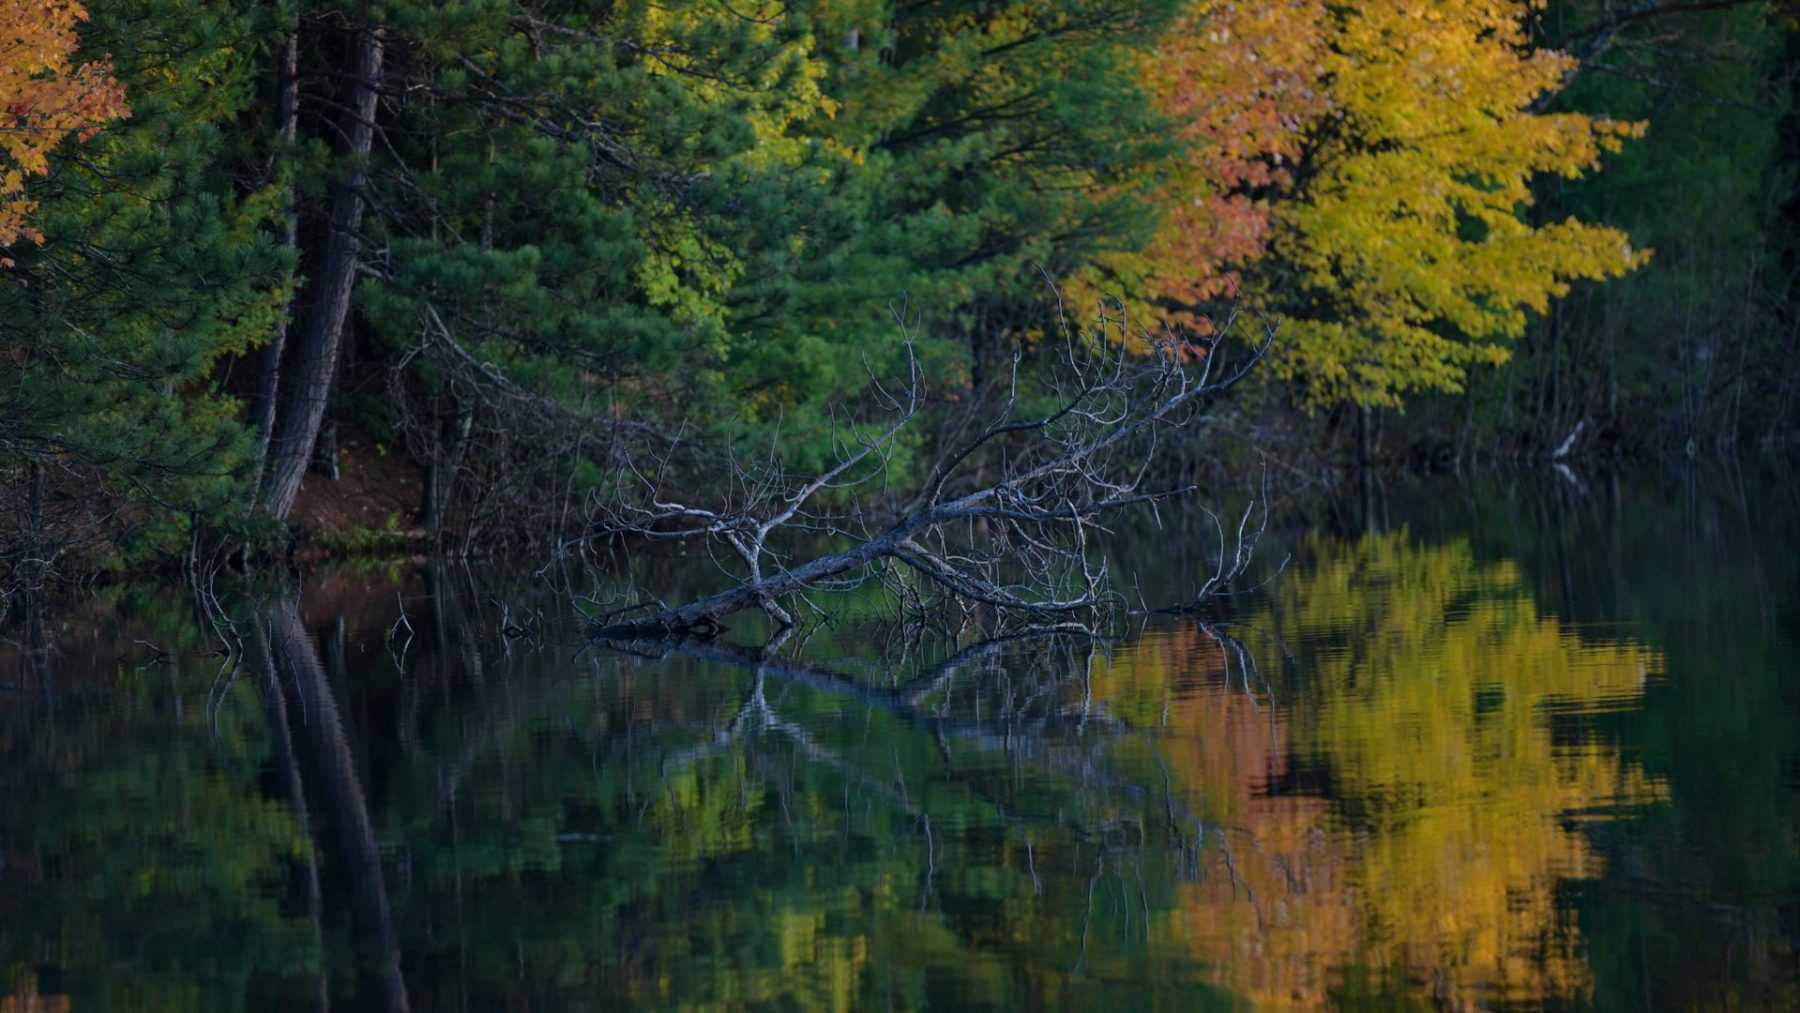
<point x="1523" y="741"/>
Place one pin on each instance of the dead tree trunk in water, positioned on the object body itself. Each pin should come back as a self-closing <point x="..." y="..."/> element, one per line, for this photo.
<point x="1017" y="542"/>
<point x="313" y="356"/>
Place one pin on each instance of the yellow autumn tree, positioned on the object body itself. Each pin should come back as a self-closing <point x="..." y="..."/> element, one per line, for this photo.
<point x="1411" y="248"/>
<point x="1377" y="159"/>
<point x="45" y="96"/>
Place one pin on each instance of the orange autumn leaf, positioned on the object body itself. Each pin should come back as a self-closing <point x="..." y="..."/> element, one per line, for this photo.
<point x="1241" y="84"/>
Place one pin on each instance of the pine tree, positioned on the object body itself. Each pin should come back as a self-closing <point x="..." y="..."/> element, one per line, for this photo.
<point x="668" y="213"/>
<point x="155" y="264"/>
<point x="1014" y="141"/>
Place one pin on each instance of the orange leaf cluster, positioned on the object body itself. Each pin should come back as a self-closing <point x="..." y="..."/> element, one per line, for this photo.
<point x="1243" y="81"/>
<point x="45" y="96"/>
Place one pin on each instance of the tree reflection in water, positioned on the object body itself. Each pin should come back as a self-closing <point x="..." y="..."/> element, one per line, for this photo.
<point x="1392" y="804"/>
<point x="1420" y="801"/>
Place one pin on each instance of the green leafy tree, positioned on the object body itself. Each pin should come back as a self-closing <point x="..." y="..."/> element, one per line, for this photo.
<point x="653" y="214"/>
<point x="583" y="216"/>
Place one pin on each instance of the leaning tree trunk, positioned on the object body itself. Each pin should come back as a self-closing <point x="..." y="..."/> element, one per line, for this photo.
<point x="316" y="341"/>
<point x="1022" y="539"/>
<point x="268" y="358"/>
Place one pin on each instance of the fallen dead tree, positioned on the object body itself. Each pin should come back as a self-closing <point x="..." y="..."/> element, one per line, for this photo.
<point x="1005" y="519"/>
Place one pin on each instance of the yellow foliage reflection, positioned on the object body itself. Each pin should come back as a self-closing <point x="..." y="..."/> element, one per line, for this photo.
<point x="1437" y="806"/>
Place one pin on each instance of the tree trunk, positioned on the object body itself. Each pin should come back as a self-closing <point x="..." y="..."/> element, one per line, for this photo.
<point x="704" y="615"/>
<point x="268" y="358"/>
<point x="312" y="361"/>
<point x="449" y="439"/>
<point x="32" y="541"/>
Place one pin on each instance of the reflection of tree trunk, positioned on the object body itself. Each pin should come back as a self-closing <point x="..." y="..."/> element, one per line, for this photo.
<point x="449" y="614"/>
<point x="288" y="768"/>
<point x="34" y="657"/>
<point x="316" y="341"/>
<point x="32" y="568"/>
<point x="333" y="771"/>
<point x="1367" y="501"/>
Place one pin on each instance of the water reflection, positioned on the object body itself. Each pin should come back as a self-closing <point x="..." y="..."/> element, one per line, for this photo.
<point x="303" y="707"/>
<point x="1396" y="777"/>
<point x="1412" y="808"/>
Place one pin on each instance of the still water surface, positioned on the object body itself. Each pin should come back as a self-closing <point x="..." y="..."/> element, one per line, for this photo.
<point x="1479" y="745"/>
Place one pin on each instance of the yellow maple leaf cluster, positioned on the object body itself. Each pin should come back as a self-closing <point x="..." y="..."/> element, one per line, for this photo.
<point x="1414" y="237"/>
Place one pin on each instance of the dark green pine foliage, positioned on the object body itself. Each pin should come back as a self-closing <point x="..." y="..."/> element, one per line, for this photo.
<point x="686" y="214"/>
<point x="590" y="212"/>
<point x="1013" y="142"/>
<point x="658" y="217"/>
<point x="1694" y="351"/>
<point x="550" y="181"/>
<point x="157" y="265"/>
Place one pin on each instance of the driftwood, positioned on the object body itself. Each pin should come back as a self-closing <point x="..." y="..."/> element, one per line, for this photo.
<point x="1234" y="560"/>
<point x="1005" y="518"/>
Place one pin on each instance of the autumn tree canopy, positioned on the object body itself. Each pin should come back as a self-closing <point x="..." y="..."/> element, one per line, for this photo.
<point x="1371" y="167"/>
<point x="492" y="240"/>
<point x="45" y="96"/>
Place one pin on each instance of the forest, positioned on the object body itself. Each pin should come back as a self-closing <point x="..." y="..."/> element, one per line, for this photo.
<point x="838" y="504"/>
<point x="374" y="277"/>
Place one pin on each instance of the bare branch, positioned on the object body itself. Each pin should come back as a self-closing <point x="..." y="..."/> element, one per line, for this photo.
<point x="1004" y="519"/>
